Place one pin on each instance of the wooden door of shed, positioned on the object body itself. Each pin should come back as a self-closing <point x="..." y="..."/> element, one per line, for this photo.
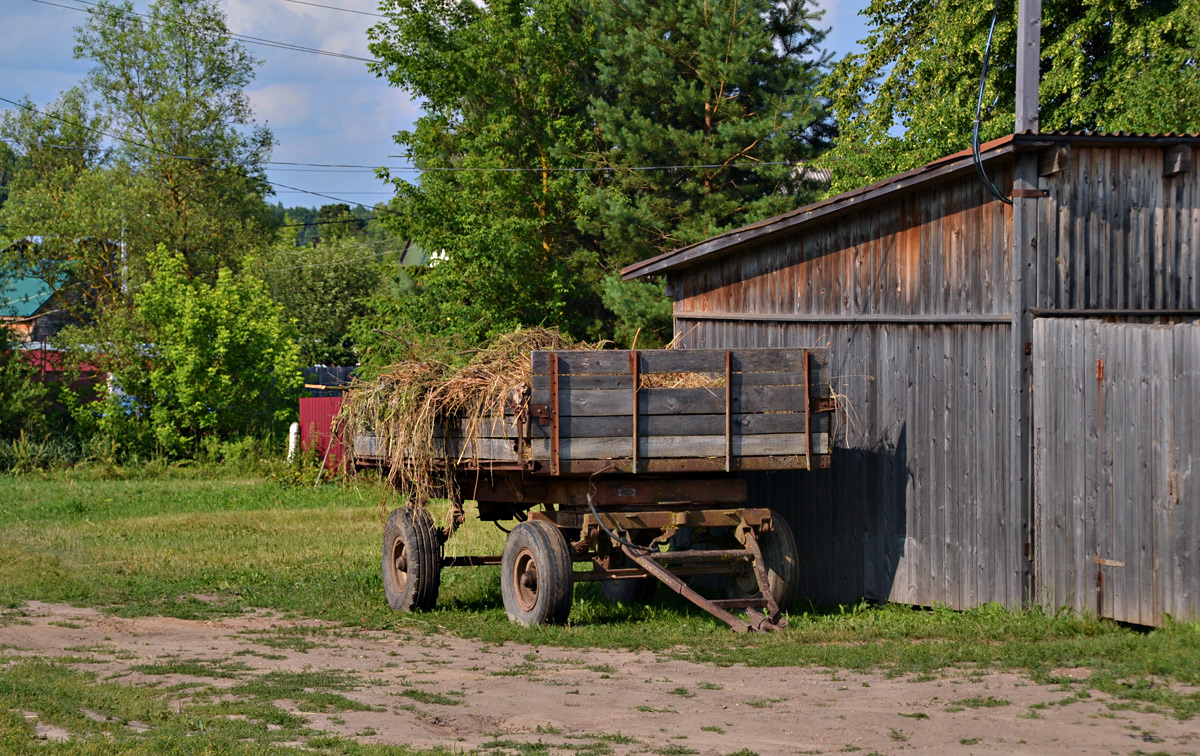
<point x="1117" y="485"/>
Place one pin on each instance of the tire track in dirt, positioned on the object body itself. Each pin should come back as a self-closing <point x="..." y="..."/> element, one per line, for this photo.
<point x="429" y="690"/>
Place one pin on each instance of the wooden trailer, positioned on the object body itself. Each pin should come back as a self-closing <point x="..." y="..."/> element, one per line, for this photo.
<point x="636" y="457"/>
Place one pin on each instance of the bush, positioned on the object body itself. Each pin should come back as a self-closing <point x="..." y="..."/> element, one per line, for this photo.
<point x="24" y="401"/>
<point x="193" y="363"/>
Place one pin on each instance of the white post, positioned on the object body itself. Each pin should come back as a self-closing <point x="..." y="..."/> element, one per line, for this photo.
<point x="293" y="440"/>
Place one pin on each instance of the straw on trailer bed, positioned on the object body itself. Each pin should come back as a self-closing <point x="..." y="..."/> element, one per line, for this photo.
<point x="427" y="414"/>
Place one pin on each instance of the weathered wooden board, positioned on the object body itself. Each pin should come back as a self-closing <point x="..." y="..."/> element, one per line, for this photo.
<point x="495" y="449"/>
<point x="1114" y="431"/>
<point x="675" y="447"/>
<point x="583" y="426"/>
<point x="692" y="465"/>
<point x="624" y="381"/>
<point x="684" y="360"/>
<point x="678" y="401"/>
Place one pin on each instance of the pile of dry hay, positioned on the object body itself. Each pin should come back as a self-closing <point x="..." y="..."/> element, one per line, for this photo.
<point x="407" y="407"/>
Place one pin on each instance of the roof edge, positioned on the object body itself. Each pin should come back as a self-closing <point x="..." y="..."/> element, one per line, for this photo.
<point x="950" y="165"/>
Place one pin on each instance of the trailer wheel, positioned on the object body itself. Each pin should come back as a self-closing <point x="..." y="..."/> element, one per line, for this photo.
<point x="536" y="574"/>
<point x="781" y="559"/>
<point x="412" y="570"/>
<point x="630" y="591"/>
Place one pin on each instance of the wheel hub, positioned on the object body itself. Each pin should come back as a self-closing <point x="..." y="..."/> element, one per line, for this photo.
<point x="400" y="561"/>
<point x="524" y="580"/>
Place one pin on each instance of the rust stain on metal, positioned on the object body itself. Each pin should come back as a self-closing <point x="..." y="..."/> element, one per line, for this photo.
<point x="554" y="419"/>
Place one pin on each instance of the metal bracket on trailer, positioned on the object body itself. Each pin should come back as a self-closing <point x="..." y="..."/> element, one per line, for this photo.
<point x="653" y="561"/>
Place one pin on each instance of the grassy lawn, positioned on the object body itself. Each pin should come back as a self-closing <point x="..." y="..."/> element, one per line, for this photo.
<point x="153" y="546"/>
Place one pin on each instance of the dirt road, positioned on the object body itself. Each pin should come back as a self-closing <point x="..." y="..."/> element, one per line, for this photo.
<point x="437" y="690"/>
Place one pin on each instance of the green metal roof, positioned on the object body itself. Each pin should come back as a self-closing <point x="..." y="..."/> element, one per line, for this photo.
<point x="22" y="297"/>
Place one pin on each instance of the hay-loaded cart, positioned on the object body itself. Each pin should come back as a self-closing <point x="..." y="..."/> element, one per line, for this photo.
<point x="637" y="458"/>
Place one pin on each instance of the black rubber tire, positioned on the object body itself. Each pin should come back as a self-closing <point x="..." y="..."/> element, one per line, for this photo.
<point x="536" y="575"/>
<point x="636" y="591"/>
<point x="412" y="568"/>
<point x="782" y="561"/>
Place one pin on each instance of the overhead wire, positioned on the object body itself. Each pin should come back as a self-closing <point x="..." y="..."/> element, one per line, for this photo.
<point x="202" y="161"/>
<point x="334" y="7"/>
<point x="231" y="35"/>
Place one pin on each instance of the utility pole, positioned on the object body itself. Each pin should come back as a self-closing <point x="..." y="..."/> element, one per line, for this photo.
<point x="1029" y="57"/>
<point x="1023" y="545"/>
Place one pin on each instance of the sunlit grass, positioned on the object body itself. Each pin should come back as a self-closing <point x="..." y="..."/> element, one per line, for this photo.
<point x="207" y="547"/>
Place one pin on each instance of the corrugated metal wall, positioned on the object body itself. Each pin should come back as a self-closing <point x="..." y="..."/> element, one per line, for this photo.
<point x="1116" y="439"/>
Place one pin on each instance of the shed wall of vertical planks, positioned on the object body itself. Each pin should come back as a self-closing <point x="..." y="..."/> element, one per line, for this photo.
<point x="913" y="297"/>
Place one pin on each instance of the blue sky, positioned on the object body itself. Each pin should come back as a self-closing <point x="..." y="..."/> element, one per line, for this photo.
<point x="321" y="109"/>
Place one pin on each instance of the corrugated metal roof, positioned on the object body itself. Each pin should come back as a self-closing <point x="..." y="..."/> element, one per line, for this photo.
<point x="22" y="297"/>
<point x="947" y="167"/>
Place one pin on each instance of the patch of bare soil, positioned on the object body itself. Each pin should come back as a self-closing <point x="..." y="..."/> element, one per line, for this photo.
<point x="432" y="690"/>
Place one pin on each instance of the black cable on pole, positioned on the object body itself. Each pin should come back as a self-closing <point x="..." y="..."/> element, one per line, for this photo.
<point x="987" y="54"/>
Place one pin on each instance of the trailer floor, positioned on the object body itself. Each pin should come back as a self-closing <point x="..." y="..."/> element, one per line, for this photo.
<point x="467" y="695"/>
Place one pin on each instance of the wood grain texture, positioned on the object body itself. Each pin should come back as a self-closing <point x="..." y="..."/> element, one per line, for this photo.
<point x="927" y="317"/>
<point x="1115" y="468"/>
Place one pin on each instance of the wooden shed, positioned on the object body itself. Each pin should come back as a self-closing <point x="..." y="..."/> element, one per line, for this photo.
<point x="1021" y="382"/>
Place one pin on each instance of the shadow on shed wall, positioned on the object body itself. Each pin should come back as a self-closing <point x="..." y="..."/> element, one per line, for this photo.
<point x="850" y="521"/>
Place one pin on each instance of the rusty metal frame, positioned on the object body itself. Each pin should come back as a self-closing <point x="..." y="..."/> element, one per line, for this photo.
<point x="807" y="413"/>
<point x="554" y="418"/>
<point x="635" y="372"/>
<point x="728" y="410"/>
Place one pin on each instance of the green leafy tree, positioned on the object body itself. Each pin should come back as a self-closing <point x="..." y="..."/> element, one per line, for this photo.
<point x="909" y="97"/>
<point x="8" y="166"/>
<point x="66" y="191"/>
<point x="515" y="92"/>
<point x="323" y="290"/>
<point x="728" y="86"/>
<point x="690" y="83"/>
<point x="166" y="86"/>
<point x="192" y="360"/>
<point x="504" y="87"/>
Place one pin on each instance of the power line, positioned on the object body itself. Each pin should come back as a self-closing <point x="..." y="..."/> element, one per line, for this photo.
<point x="344" y="10"/>
<point x="327" y="222"/>
<point x="351" y="167"/>
<point x="231" y="35"/>
<point x="604" y="168"/>
<point x="202" y="161"/>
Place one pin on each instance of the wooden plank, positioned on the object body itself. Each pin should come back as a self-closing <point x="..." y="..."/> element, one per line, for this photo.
<point x="1042" y="457"/>
<point x="678" y="401"/>
<point x="675" y="447"/>
<point x="1054" y="159"/>
<point x="585" y="426"/>
<point x="625" y="382"/>
<point x="496" y="449"/>
<point x="1187" y="525"/>
<point x="1177" y="159"/>
<point x="679" y="361"/>
<point x="1165" y="445"/>
<point x="686" y="465"/>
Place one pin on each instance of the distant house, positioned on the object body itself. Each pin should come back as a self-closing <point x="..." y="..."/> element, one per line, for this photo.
<point x="31" y="308"/>
<point x="27" y="309"/>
